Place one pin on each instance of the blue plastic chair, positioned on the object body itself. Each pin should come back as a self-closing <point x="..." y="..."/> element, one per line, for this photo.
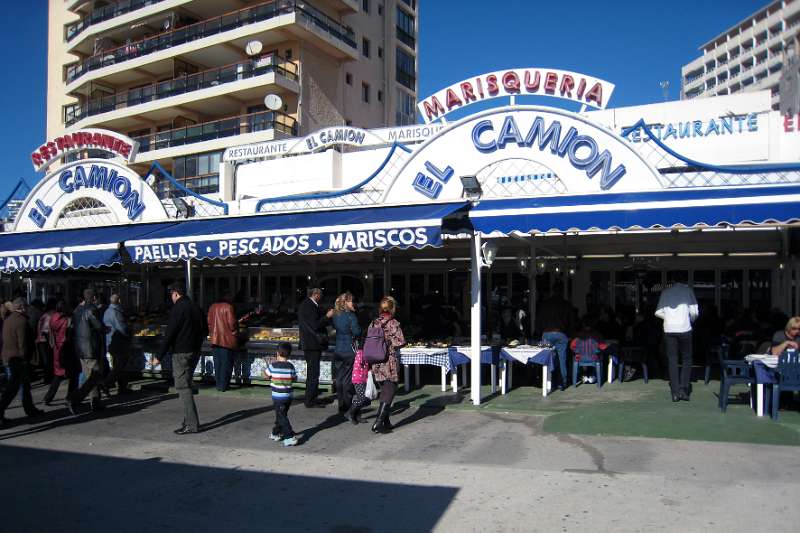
<point x="587" y="353"/>
<point x="633" y="354"/>
<point x="788" y="378"/>
<point x="732" y="372"/>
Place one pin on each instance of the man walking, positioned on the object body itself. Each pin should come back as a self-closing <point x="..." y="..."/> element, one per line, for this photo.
<point x="118" y="342"/>
<point x="313" y="339"/>
<point x="17" y="351"/>
<point x="677" y="307"/>
<point x="90" y="347"/>
<point x="183" y="339"/>
<point x="222" y="328"/>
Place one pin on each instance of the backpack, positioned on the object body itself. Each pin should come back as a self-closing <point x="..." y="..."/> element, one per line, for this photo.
<point x="375" y="346"/>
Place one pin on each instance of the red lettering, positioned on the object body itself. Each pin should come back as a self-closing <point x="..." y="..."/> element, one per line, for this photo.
<point x="115" y="145"/>
<point x="480" y="86"/>
<point x="97" y="139"/>
<point x="453" y="99"/>
<point x="51" y="147"/>
<point x="86" y="138"/>
<point x="567" y="84"/>
<point x="788" y="125"/>
<point x="60" y="143"/>
<point x="491" y="84"/>
<point x="68" y="141"/>
<point x="511" y="82"/>
<point x="108" y="141"/>
<point x="37" y="159"/>
<point x="433" y="108"/>
<point x="581" y="88"/>
<point x="596" y="94"/>
<point x="125" y="149"/>
<point x="466" y="92"/>
<point x="550" y="82"/>
<point x="532" y="87"/>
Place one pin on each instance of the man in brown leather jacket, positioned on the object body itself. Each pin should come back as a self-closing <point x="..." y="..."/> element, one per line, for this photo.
<point x="17" y="350"/>
<point x="222" y="330"/>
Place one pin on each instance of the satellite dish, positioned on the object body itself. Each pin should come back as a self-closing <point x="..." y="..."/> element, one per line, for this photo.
<point x="253" y="48"/>
<point x="273" y="102"/>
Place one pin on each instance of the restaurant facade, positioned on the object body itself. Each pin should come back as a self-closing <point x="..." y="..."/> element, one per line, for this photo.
<point x="475" y="215"/>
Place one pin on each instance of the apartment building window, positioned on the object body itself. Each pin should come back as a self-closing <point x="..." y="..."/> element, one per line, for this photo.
<point x="365" y="92"/>
<point x="411" y="3"/>
<point x="196" y="172"/>
<point x="365" y="46"/>
<point x="143" y="136"/>
<point x="405" y="27"/>
<point x="380" y="96"/>
<point x="406" y="74"/>
<point x="380" y="52"/>
<point x="380" y="9"/>
<point x="365" y="5"/>
<point x="348" y="78"/>
<point x="405" y="111"/>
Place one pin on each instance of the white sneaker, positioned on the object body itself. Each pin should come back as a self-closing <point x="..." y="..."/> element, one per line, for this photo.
<point x="591" y="379"/>
<point x="274" y="437"/>
<point x="585" y="379"/>
<point x="291" y="441"/>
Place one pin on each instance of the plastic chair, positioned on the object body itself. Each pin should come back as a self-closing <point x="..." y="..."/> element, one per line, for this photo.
<point x="587" y="354"/>
<point x="633" y="354"/>
<point x="788" y="378"/>
<point x="733" y="372"/>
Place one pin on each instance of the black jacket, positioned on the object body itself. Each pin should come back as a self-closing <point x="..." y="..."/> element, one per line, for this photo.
<point x="89" y="332"/>
<point x="185" y="330"/>
<point x="312" y="323"/>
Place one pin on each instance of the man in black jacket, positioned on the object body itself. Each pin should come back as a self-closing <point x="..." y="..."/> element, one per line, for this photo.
<point x="183" y="339"/>
<point x="313" y="339"/>
<point x="89" y="345"/>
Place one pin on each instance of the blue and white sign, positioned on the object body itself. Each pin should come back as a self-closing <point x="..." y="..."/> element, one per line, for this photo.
<point x="582" y="156"/>
<point x="356" y="230"/>
<point x="117" y="191"/>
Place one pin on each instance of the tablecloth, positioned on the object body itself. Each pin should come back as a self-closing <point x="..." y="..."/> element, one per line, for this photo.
<point x="426" y="356"/>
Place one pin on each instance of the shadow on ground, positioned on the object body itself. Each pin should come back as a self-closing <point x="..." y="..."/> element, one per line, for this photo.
<point x="89" y="493"/>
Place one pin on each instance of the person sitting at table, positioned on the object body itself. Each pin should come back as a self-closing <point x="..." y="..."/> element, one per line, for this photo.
<point x="788" y="338"/>
<point x="510" y="329"/>
<point x="587" y="333"/>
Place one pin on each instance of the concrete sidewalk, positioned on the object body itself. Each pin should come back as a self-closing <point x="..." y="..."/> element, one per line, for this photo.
<point x="442" y="469"/>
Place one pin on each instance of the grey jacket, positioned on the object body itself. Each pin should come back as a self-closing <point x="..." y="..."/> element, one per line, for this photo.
<point x="89" y="342"/>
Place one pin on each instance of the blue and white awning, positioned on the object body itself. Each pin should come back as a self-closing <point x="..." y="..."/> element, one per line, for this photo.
<point x="351" y="230"/>
<point x="684" y="208"/>
<point x="69" y="248"/>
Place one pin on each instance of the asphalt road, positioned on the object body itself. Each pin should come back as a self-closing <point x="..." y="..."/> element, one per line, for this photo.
<point x="442" y="470"/>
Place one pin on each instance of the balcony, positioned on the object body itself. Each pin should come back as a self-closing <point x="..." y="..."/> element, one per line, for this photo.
<point x="102" y="14"/>
<point x="406" y="38"/>
<point x="218" y="129"/>
<point x="214" y="26"/>
<point x="182" y="85"/>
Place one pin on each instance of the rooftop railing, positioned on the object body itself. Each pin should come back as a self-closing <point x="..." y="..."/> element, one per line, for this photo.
<point x="218" y="129"/>
<point x="213" y="26"/>
<point x="182" y="85"/>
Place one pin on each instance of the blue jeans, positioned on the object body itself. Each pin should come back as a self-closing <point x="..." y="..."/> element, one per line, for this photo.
<point x="560" y="342"/>
<point x="223" y="366"/>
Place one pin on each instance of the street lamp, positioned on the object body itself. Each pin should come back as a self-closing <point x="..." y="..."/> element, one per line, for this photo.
<point x="471" y="187"/>
<point x="489" y="252"/>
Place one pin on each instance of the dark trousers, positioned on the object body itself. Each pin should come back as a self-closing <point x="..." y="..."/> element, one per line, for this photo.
<point x="56" y="383"/>
<point x="282" y="425"/>
<point x="676" y="343"/>
<point x="19" y="377"/>
<point x="118" y="374"/>
<point x="312" y="375"/>
<point x="93" y="374"/>
<point x="388" y="390"/>
<point x="360" y="397"/>
<point x="45" y="360"/>
<point x="183" y="373"/>
<point x="343" y="372"/>
<point x="223" y="367"/>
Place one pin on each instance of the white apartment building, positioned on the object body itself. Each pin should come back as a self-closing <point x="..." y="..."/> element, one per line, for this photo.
<point x="188" y="78"/>
<point x="746" y="57"/>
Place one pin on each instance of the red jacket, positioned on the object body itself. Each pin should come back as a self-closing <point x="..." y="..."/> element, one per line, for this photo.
<point x="222" y="326"/>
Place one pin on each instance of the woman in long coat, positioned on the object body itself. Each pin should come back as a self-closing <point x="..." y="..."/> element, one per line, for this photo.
<point x="64" y="361"/>
<point x="387" y="373"/>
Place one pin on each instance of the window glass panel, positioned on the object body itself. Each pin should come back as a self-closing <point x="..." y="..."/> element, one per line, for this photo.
<point x="731" y="293"/>
<point x="760" y="285"/>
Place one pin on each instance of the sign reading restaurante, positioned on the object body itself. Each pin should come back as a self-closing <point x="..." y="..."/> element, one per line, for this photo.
<point x="87" y="139"/>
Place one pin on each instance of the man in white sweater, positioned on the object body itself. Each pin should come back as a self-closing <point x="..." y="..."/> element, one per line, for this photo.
<point x="677" y="307"/>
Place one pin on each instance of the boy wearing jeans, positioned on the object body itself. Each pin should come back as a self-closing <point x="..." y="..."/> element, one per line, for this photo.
<point x="282" y="374"/>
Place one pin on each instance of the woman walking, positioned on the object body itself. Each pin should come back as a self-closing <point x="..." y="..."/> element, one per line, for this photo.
<point x="387" y="373"/>
<point x="347" y="329"/>
<point x="64" y="360"/>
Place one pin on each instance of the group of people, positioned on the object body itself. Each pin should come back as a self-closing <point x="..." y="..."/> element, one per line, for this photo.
<point x="67" y="344"/>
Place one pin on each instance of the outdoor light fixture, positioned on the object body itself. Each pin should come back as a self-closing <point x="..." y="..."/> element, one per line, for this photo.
<point x="471" y="187"/>
<point x="489" y="252"/>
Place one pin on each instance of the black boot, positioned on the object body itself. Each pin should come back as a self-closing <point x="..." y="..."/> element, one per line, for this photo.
<point x="354" y="415"/>
<point x="380" y="422"/>
<point x="97" y="406"/>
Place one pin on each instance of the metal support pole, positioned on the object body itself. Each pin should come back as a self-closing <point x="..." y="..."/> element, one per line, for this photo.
<point x="475" y="318"/>
<point x="189" y="277"/>
<point x="387" y="274"/>
<point x="532" y="269"/>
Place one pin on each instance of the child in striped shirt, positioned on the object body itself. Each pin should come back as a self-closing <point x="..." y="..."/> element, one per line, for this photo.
<point x="282" y="374"/>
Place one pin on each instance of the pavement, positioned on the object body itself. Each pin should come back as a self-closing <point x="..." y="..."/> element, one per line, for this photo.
<point x="446" y="467"/>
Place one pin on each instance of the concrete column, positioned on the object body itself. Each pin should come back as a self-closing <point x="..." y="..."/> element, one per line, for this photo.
<point x="475" y="318"/>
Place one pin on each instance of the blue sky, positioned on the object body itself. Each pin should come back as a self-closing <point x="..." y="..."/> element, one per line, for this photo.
<point x="634" y="45"/>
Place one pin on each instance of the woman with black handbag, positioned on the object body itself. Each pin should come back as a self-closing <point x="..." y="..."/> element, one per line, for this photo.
<point x="347" y="329"/>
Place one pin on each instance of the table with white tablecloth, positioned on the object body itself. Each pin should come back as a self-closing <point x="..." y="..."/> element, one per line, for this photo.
<point x="764" y="367"/>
